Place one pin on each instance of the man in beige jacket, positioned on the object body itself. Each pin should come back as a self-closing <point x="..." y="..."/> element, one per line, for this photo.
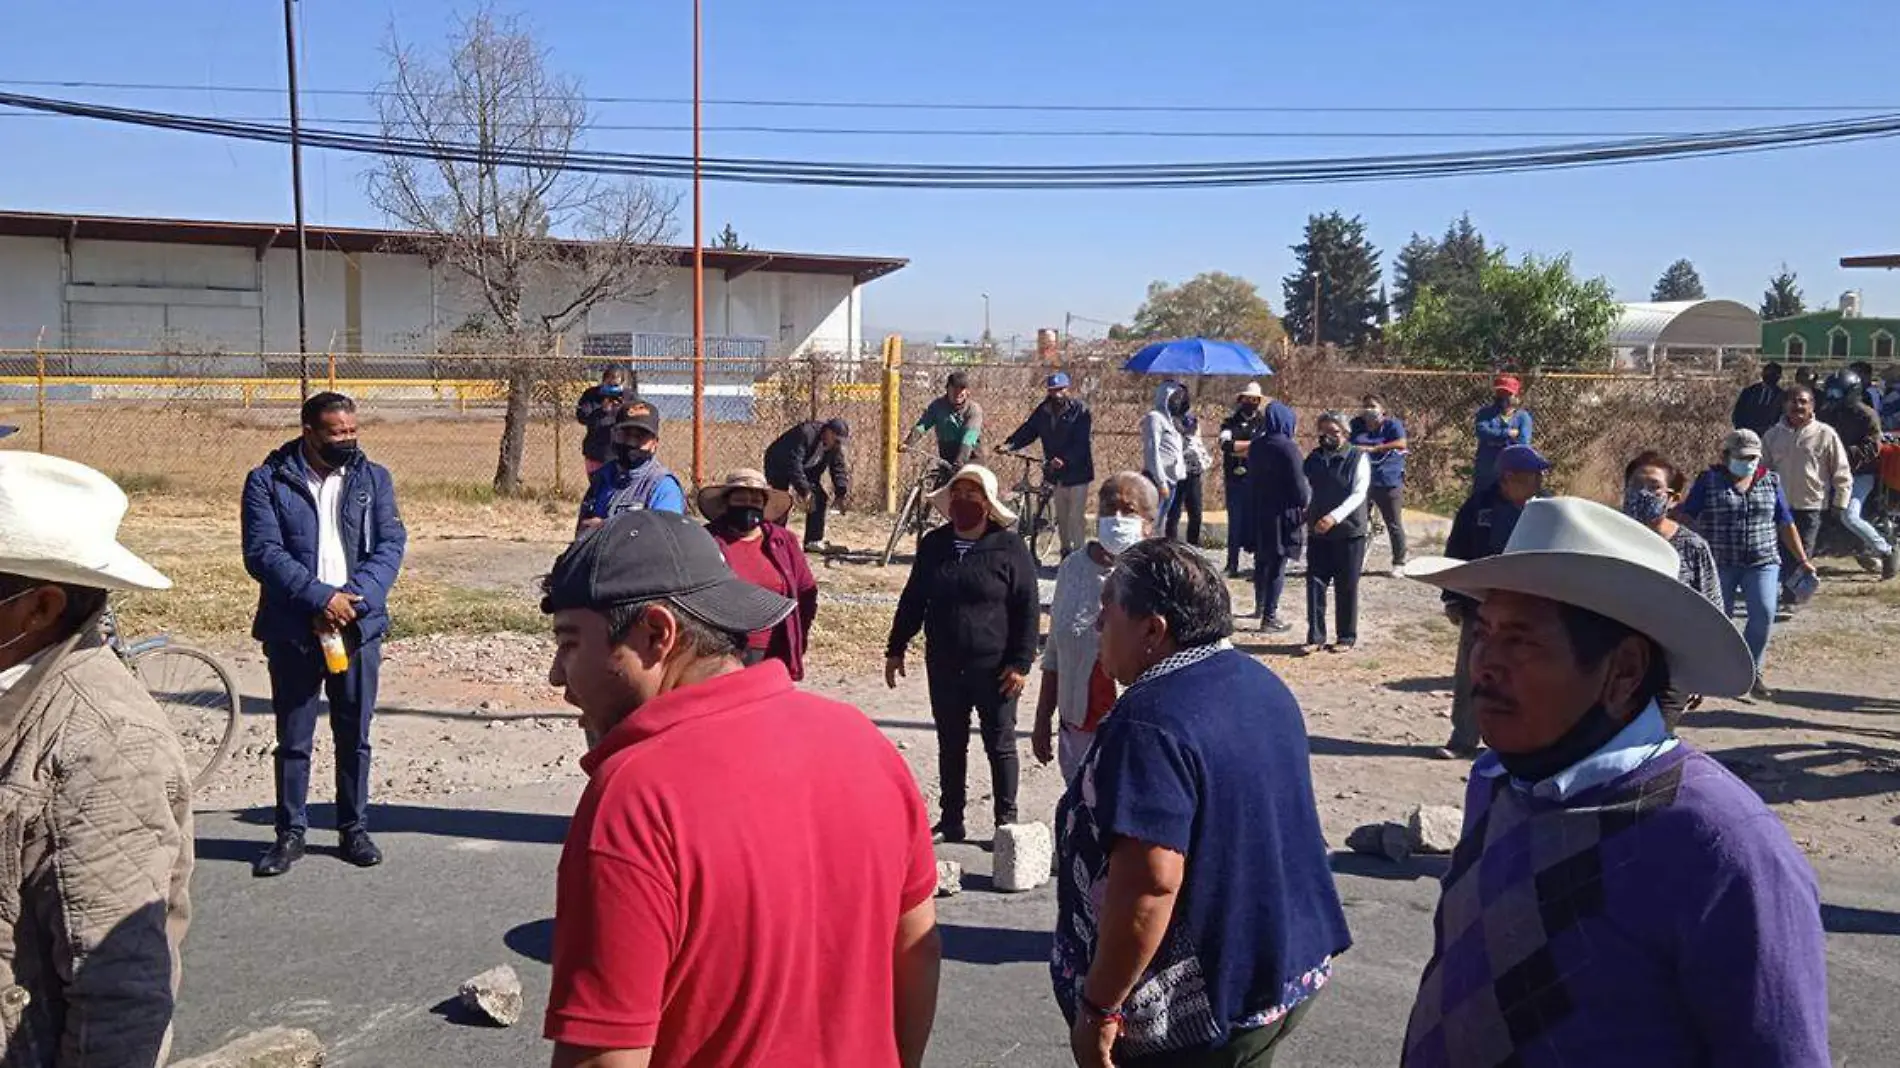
<point x="1815" y="472"/>
<point x="95" y="798"/>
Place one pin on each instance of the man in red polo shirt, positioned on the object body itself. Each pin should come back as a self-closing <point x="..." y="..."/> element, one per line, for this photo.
<point x="749" y="877"/>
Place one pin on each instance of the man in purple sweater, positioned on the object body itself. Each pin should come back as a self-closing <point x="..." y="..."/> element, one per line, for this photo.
<point x="1617" y="897"/>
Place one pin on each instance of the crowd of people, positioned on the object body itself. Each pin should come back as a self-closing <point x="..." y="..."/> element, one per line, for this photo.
<point x="1617" y="896"/>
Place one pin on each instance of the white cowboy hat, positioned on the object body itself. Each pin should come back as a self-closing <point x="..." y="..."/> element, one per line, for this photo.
<point x="712" y="499"/>
<point x="59" y="522"/>
<point x="1578" y="552"/>
<point x="983" y="477"/>
<point x="1253" y="390"/>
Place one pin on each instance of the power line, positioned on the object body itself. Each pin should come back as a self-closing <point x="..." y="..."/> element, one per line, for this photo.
<point x="1210" y="174"/>
<point x="833" y="131"/>
<point x="1158" y="109"/>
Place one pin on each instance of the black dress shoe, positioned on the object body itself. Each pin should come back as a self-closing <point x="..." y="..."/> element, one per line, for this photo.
<point x="947" y="832"/>
<point x="287" y="850"/>
<point x="359" y="849"/>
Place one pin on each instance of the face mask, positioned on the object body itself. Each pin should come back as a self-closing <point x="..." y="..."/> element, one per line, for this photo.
<point x="337" y="454"/>
<point x="17" y="638"/>
<point x="1372" y="418"/>
<point x="1643" y="504"/>
<point x="1249" y="407"/>
<point x="744" y="519"/>
<point x="968" y="515"/>
<point x="1118" y="533"/>
<point x="1331" y="442"/>
<point x="1586" y="736"/>
<point x="1741" y="468"/>
<point x="610" y="391"/>
<point x="629" y="455"/>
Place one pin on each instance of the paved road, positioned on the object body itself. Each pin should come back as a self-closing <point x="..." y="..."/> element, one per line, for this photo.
<point x="370" y="960"/>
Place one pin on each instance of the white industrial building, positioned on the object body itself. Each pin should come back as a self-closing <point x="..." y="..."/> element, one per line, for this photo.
<point x="78" y="282"/>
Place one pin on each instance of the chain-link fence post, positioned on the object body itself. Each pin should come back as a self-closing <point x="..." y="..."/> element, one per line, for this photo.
<point x="893" y="417"/>
<point x="39" y="375"/>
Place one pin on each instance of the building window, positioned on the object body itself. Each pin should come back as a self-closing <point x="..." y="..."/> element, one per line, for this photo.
<point x="1796" y="346"/>
<point x="1837" y="343"/>
<point x="1883" y="346"/>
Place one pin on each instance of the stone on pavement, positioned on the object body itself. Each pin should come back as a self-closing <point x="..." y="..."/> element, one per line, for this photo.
<point x="1434" y="828"/>
<point x="273" y="1047"/>
<point x="1387" y="839"/>
<point x="949" y="878"/>
<point x="1025" y="854"/>
<point x="496" y="994"/>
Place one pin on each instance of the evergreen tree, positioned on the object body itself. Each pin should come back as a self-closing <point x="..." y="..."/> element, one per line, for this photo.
<point x="1783" y="299"/>
<point x="1679" y="282"/>
<point x="1338" y="260"/>
<point x="1449" y="264"/>
<point x="1415" y="268"/>
<point x="728" y="240"/>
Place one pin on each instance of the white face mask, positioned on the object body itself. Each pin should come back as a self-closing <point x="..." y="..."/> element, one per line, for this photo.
<point x="1118" y="533"/>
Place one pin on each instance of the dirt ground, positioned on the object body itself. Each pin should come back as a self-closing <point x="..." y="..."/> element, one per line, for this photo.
<point x="465" y="704"/>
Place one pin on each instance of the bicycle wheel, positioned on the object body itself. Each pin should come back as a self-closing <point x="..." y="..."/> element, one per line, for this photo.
<point x="1039" y="531"/>
<point x="911" y="502"/>
<point x="200" y="700"/>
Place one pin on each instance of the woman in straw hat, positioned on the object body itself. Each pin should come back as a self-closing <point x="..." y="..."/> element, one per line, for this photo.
<point x="746" y="517"/>
<point x="1617" y="896"/>
<point x="972" y="591"/>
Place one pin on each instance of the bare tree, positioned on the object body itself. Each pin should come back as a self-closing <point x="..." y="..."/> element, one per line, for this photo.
<point x="537" y="245"/>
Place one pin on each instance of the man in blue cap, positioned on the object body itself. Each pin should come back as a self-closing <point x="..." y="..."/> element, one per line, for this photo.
<point x="1064" y="426"/>
<point x="1482" y="528"/>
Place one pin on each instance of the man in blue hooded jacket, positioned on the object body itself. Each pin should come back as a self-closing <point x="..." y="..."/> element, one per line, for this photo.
<point x="324" y="540"/>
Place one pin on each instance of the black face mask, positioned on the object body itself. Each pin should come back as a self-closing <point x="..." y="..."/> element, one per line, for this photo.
<point x="336" y="454"/>
<point x="743" y="519"/>
<point x="1586" y="736"/>
<point x="630" y="456"/>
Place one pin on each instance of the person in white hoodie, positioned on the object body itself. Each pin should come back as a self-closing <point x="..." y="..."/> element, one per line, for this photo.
<point x="1163" y="451"/>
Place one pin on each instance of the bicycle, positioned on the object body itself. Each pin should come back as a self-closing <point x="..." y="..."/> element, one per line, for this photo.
<point x="1033" y="503"/>
<point x="196" y="690"/>
<point x="913" y="516"/>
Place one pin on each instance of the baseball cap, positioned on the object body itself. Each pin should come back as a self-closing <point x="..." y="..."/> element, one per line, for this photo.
<point x="1521" y="458"/>
<point x="838" y="426"/>
<point x="1508" y="383"/>
<point x="638" y="411"/>
<point x="1743" y="443"/>
<point x="648" y="555"/>
<point x="1059" y="380"/>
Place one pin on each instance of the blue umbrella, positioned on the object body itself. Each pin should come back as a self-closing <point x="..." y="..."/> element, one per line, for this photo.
<point x="1198" y="356"/>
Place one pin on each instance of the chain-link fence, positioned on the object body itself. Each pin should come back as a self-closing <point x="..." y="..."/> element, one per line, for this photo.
<point x="200" y="421"/>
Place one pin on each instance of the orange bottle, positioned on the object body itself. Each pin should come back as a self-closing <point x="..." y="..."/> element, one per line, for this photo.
<point x="336" y="658"/>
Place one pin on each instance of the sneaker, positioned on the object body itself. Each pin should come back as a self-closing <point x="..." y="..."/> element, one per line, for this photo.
<point x="814" y="546"/>
<point x="1455" y="752"/>
<point x="360" y="849"/>
<point x="287" y="850"/>
<point x="1867" y="561"/>
<point x="1341" y="647"/>
<point x="1761" y="692"/>
<point x="947" y="832"/>
<point x="1889" y="564"/>
<point x="1274" y="625"/>
<point x="1398" y="569"/>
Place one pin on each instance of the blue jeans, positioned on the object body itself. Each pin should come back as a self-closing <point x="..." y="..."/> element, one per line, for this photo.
<point x="298" y="683"/>
<point x="1851" y="518"/>
<point x="1757" y="585"/>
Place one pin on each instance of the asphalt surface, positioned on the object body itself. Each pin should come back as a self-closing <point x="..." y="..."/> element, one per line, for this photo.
<point x="370" y="960"/>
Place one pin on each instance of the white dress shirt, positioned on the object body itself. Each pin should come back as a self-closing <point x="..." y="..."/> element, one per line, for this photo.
<point x="333" y="566"/>
<point x="1361" y="483"/>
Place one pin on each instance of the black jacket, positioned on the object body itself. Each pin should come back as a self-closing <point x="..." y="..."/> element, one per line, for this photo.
<point x="1859" y="429"/>
<point x="1276" y="476"/>
<point x="1481" y="528"/>
<point x="796" y="461"/>
<point x="594" y="413"/>
<point x="1758" y="407"/>
<point x="1244" y="426"/>
<point x="1065" y="434"/>
<point x="980" y="611"/>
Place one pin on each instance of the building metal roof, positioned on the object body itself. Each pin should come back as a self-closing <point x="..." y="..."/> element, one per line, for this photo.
<point x="1889" y="261"/>
<point x="262" y="236"/>
<point x="1706" y="324"/>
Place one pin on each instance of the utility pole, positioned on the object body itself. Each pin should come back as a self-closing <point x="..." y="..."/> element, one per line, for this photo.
<point x="296" y="195"/>
<point x="986" y="318"/>
<point x="699" y="275"/>
<point x="1315" y="277"/>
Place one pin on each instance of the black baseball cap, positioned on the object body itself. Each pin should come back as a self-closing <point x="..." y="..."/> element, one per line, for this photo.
<point x="640" y="412"/>
<point x="648" y="555"/>
<point x="838" y="426"/>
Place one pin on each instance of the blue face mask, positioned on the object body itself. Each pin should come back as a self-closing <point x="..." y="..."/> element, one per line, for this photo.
<point x="1645" y="505"/>
<point x="1741" y="467"/>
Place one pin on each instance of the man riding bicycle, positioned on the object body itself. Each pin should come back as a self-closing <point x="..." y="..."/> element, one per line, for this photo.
<point x="957" y="420"/>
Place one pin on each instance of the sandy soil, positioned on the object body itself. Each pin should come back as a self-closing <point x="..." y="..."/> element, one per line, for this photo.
<point x="466" y="712"/>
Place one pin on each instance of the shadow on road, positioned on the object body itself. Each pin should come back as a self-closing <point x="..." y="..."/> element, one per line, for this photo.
<point x="1422" y="684"/>
<point x="1843" y="919"/>
<point x="1814" y="771"/>
<point x="1345" y="862"/>
<point x="994" y="945"/>
<point x="452" y="1010"/>
<point x="536" y="828"/>
<point x="923" y="725"/>
<point x="533" y="940"/>
<point x="1263" y="647"/>
<point x="1744" y="719"/>
<point x="260" y="706"/>
<point x="1320" y="745"/>
<point x="1822" y="701"/>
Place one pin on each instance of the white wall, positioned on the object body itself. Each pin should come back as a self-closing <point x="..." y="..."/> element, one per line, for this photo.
<point x="148" y="294"/>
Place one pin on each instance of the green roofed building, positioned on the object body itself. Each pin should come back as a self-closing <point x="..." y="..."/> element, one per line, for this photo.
<point x="1835" y="335"/>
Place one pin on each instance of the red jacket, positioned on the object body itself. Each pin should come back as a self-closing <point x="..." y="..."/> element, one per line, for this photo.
<point x="783" y="550"/>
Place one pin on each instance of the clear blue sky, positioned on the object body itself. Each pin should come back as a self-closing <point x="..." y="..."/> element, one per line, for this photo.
<point x="1042" y="254"/>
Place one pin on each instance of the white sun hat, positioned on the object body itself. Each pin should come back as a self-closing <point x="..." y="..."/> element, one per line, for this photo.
<point x="983" y="477"/>
<point x="1581" y="553"/>
<point x="59" y="522"/>
<point x="1252" y="390"/>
